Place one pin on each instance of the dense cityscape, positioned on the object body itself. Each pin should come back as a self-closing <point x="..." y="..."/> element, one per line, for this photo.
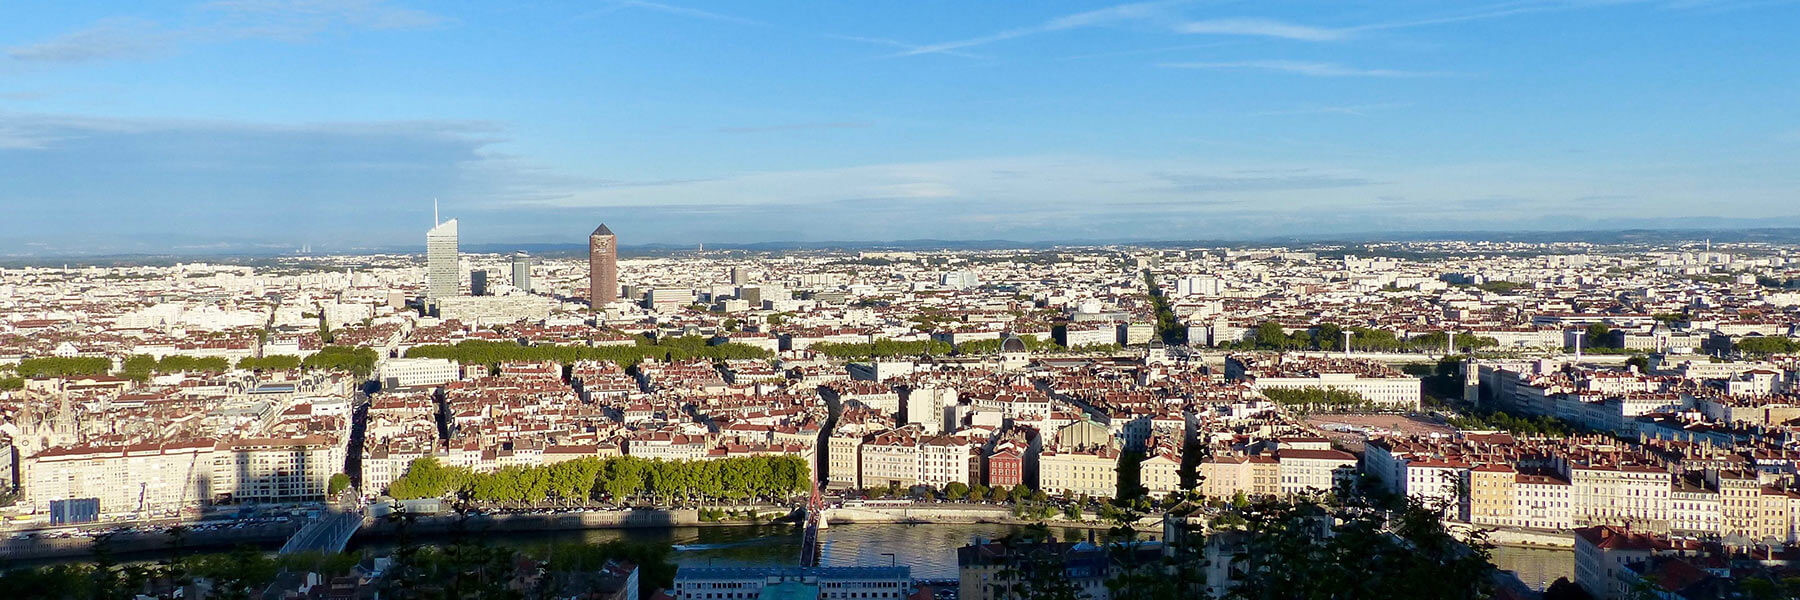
<point x="1630" y="407"/>
<point x="1050" y="300"/>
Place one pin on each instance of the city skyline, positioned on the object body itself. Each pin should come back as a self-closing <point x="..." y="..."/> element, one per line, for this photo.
<point x="1177" y="120"/>
<point x="1075" y="300"/>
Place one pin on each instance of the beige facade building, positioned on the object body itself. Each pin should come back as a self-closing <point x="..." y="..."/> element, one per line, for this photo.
<point x="1092" y="471"/>
<point x="148" y="478"/>
<point x="1255" y="476"/>
<point x="1491" y="495"/>
<point x="1160" y="473"/>
<point x="843" y="458"/>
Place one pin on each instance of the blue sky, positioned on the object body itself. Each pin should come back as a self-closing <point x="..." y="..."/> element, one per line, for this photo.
<point x="231" y="123"/>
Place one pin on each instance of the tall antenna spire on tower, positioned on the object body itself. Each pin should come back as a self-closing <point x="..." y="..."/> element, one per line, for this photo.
<point x="434" y="212"/>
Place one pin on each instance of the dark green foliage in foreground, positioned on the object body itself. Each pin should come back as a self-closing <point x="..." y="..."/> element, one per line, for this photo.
<point x="462" y="570"/>
<point x="1294" y="550"/>
<point x="1305" y="550"/>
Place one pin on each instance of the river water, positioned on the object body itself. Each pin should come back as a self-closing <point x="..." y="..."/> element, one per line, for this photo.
<point x="929" y="549"/>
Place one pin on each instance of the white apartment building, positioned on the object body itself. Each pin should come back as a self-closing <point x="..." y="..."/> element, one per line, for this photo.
<point x="1543" y="502"/>
<point x="1198" y="286"/>
<point x="892" y="458"/>
<point x="1694" y="510"/>
<point x="1308" y="471"/>
<point x="1088" y="334"/>
<point x="942" y="460"/>
<point x="1437" y="484"/>
<point x="151" y="478"/>
<point x="416" y="372"/>
<point x="1395" y="392"/>
<point x="1621" y="495"/>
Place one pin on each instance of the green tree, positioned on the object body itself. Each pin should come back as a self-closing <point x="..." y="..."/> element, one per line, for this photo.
<point x="1330" y="336"/>
<point x="1767" y="345"/>
<point x="337" y="483"/>
<point x="1599" y="336"/>
<point x="1302" y="549"/>
<point x="359" y="361"/>
<point x="58" y="366"/>
<point x="1269" y="336"/>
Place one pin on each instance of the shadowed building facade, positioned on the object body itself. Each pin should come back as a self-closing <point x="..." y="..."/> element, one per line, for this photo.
<point x="603" y="267"/>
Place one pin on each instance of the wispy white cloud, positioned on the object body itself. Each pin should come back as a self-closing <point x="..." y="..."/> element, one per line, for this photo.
<point x="669" y="9"/>
<point x="891" y="43"/>
<point x="222" y="21"/>
<point x="1159" y="17"/>
<point x="311" y="16"/>
<point x="1262" y="28"/>
<point x="109" y="38"/>
<point x="1525" y="7"/>
<point x="1310" y="69"/>
<point x="1148" y="51"/>
<point x="1092" y="18"/>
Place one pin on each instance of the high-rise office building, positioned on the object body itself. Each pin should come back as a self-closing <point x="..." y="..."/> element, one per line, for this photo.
<point x="603" y="267"/>
<point x="478" y="283"/>
<point x="442" y="263"/>
<point x="521" y="271"/>
<point x="738" y="277"/>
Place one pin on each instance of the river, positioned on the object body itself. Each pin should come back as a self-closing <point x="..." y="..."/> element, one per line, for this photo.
<point x="929" y="549"/>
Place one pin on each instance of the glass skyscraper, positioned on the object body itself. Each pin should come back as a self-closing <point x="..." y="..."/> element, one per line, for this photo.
<point x="442" y="263"/>
<point x="521" y="271"/>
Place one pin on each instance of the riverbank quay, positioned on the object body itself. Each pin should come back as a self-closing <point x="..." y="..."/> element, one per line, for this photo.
<point x="395" y="525"/>
<point x="1515" y="537"/>
<point x="926" y="514"/>
<point x="126" y="543"/>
